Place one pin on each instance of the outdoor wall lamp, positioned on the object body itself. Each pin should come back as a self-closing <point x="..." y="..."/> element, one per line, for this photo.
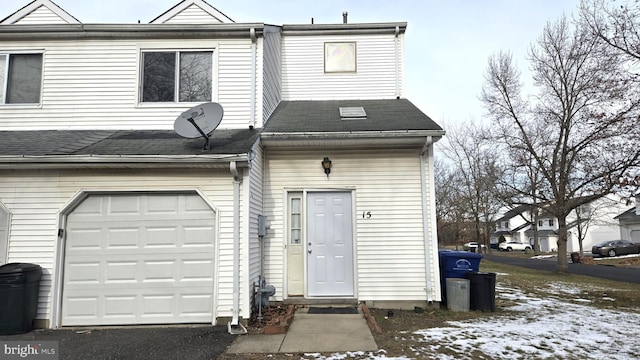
<point x="326" y="165"/>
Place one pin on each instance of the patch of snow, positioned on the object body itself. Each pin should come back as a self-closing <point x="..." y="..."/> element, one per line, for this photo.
<point x="543" y="256"/>
<point x="536" y="328"/>
<point x="617" y="257"/>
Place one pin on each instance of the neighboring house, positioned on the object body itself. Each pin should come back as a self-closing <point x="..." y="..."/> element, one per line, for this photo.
<point x="512" y="225"/>
<point x="133" y="224"/>
<point x="630" y="224"/>
<point x="596" y="223"/>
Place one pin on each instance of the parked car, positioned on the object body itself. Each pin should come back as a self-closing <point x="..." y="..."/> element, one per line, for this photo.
<point x="513" y="245"/>
<point x="615" y="248"/>
<point x="473" y="245"/>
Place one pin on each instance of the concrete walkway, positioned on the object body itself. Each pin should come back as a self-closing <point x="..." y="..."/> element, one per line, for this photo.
<point x="312" y="333"/>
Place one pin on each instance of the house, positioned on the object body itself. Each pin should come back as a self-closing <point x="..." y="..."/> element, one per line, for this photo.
<point x="592" y="222"/>
<point x="511" y="225"/>
<point x="315" y="177"/>
<point x="630" y="224"/>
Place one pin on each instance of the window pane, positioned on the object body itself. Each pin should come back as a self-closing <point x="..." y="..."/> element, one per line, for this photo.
<point x="25" y="78"/>
<point x="295" y="221"/>
<point x="3" y="67"/>
<point x="295" y="237"/>
<point x="195" y="76"/>
<point x="295" y="206"/>
<point x="158" y="83"/>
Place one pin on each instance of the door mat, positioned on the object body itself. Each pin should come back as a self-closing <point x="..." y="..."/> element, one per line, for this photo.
<point x="333" y="310"/>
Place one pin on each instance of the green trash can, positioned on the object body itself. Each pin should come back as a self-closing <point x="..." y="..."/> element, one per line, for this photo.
<point x="19" y="287"/>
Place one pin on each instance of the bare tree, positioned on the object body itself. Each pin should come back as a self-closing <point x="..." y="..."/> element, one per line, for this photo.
<point x="580" y="124"/>
<point x="469" y="151"/>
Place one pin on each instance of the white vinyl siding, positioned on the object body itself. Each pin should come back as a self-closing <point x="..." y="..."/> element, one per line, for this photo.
<point x="41" y="15"/>
<point x="35" y="199"/>
<point x="272" y="72"/>
<point x="193" y="15"/>
<point x="253" y="193"/>
<point x="94" y="85"/>
<point x="389" y="244"/>
<point x="304" y="77"/>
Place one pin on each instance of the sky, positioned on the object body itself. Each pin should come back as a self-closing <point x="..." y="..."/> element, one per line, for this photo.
<point x="447" y="42"/>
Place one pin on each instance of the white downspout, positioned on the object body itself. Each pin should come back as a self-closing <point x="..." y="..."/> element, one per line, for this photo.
<point x="254" y="56"/>
<point x="234" y="326"/>
<point x="397" y="45"/>
<point x="424" y="158"/>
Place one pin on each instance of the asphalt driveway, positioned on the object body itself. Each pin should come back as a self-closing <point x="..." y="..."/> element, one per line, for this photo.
<point x="625" y="274"/>
<point x="143" y="343"/>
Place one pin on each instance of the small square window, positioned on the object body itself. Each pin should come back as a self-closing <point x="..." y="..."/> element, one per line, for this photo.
<point x="340" y="57"/>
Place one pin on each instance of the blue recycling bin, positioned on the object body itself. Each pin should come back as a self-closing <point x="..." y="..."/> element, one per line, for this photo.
<point x="456" y="264"/>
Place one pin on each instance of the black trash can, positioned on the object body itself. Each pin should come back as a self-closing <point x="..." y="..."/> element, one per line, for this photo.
<point x="483" y="291"/>
<point x="19" y="287"/>
<point x="575" y="257"/>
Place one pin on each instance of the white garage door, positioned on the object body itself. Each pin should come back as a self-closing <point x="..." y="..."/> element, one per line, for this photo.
<point x="635" y="236"/>
<point x="139" y="259"/>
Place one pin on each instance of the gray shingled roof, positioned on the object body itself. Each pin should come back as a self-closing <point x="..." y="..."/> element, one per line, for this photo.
<point x="324" y="116"/>
<point x="122" y="142"/>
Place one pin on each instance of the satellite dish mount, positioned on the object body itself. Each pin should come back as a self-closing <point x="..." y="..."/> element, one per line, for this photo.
<point x="199" y="121"/>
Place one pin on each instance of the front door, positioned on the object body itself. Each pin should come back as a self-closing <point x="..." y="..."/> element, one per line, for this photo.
<point x="329" y="244"/>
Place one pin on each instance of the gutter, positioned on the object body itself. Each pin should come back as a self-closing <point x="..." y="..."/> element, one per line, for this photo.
<point x="397" y="50"/>
<point x="254" y="55"/>
<point x="428" y="202"/>
<point x="235" y="327"/>
<point x="120" y="161"/>
<point x="351" y="134"/>
<point x="127" y="31"/>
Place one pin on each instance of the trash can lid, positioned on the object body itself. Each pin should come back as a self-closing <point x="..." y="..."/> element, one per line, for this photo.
<point x="459" y="254"/>
<point x="13" y="268"/>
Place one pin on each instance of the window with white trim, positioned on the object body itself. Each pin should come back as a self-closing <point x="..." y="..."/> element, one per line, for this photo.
<point x="177" y="76"/>
<point x="21" y="78"/>
<point x="295" y="208"/>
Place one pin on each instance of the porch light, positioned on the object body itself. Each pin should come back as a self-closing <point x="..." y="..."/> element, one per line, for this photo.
<point x="326" y="165"/>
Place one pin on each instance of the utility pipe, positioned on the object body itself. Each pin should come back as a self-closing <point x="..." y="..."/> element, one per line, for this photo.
<point x="234" y="326"/>
<point x="397" y="48"/>
<point x="424" y="180"/>
<point x="254" y="55"/>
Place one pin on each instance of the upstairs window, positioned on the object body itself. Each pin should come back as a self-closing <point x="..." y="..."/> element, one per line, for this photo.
<point x="177" y="76"/>
<point x="21" y="78"/>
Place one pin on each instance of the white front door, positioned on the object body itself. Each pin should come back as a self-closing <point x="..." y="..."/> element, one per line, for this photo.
<point x="329" y="244"/>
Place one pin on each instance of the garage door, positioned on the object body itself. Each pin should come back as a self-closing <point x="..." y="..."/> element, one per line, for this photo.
<point x="139" y="259"/>
<point x="635" y="236"/>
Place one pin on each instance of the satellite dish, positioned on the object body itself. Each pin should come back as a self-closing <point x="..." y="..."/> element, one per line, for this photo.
<point x="199" y="121"/>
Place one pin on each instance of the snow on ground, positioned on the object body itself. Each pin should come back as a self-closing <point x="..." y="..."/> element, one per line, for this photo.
<point x="536" y="328"/>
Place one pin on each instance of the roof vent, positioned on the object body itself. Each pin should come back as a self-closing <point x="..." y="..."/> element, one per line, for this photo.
<point x="352" y="113"/>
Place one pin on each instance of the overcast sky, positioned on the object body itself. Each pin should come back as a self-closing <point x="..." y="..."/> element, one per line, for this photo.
<point x="447" y="46"/>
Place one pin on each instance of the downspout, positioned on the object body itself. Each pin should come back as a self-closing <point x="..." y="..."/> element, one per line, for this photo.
<point x="234" y="326"/>
<point x="424" y="158"/>
<point x="397" y="45"/>
<point x="254" y="56"/>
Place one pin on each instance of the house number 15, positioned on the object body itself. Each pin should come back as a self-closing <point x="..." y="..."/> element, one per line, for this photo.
<point x="366" y="214"/>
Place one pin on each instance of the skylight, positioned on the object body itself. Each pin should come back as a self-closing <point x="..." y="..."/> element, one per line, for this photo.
<point x="352" y="112"/>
